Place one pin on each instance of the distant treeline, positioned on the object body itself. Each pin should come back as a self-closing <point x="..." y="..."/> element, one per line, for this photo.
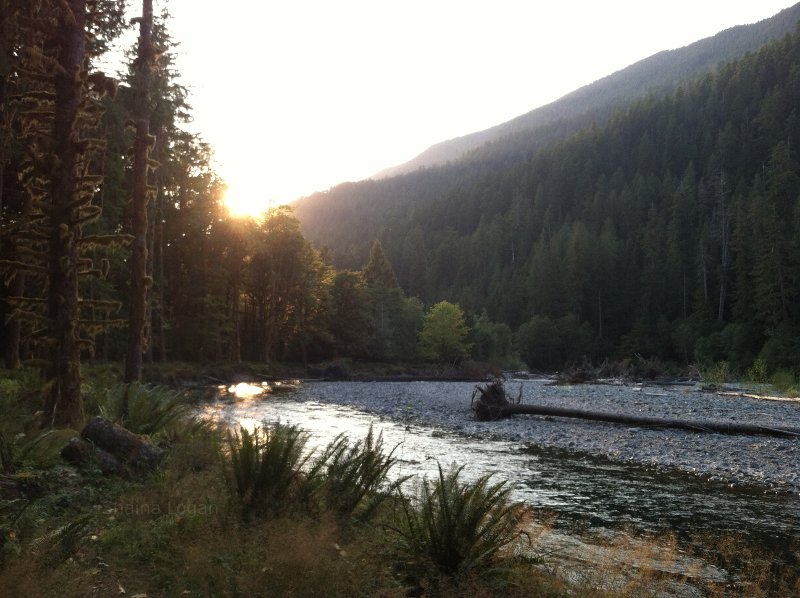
<point x="671" y="231"/>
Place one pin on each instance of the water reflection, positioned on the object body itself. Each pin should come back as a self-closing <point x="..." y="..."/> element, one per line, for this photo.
<point x="249" y="390"/>
<point x="245" y="390"/>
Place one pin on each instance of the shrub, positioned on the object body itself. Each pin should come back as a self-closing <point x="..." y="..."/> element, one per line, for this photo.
<point x="718" y="373"/>
<point x="785" y="381"/>
<point x="758" y="372"/>
<point x="40" y="450"/>
<point x="263" y="467"/>
<point x="457" y="527"/>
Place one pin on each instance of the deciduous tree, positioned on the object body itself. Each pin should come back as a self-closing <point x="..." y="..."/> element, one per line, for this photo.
<point x="444" y="333"/>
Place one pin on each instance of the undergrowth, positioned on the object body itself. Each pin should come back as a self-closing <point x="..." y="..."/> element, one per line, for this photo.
<point x="253" y="512"/>
<point x="456" y="527"/>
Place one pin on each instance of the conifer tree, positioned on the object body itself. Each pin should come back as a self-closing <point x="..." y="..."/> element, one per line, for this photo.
<point x="57" y="108"/>
<point x="142" y="191"/>
<point x="378" y="271"/>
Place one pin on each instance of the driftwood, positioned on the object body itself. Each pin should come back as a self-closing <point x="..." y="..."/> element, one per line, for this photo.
<point x="490" y="403"/>
<point x="115" y="449"/>
<point x="627" y="369"/>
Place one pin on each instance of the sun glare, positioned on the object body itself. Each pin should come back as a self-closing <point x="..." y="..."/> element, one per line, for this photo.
<point x="244" y="201"/>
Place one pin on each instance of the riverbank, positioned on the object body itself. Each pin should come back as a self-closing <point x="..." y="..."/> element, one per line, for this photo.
<point x="761" y="462"/>
<point x="70" y="532"/>
<point x="608" y="514"/>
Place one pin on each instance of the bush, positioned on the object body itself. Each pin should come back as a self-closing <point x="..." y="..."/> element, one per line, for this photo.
<point x="548" y="344"/>
<point x="785" y="382"/>
<point x="718" y="373"/>
<point x="456" y="528"/>
<point x="758" y="371"/>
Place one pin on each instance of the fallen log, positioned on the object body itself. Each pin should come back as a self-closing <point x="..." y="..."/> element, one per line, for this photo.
<point x="115" y="449"/>
<point x="492" y="405"/>
<point x="78" y="451"/>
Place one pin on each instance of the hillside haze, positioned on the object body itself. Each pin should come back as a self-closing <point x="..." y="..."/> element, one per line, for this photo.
<point x="670" y="229"/>
<point x="657" y="73"/>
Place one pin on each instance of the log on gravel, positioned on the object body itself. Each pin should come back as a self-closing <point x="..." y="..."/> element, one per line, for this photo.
<point x="492" y="404"/>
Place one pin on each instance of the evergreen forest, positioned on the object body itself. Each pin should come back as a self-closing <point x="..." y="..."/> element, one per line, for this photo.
<point x="671" y="230"/>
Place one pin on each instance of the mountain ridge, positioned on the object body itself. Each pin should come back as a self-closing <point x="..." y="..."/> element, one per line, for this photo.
<point x="659" y="72"/>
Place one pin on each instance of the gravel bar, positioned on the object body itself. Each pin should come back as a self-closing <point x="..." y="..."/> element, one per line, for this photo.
<point x="763" y="462"/>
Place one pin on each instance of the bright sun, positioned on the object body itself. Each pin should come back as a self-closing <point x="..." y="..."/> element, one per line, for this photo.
<point x="245" y="201"/>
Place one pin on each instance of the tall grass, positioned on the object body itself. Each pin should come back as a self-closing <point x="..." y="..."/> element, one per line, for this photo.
<point x="263" y="467"/>
<point x="456" y="527"/>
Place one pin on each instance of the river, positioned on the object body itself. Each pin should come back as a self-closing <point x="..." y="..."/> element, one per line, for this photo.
<point x="581" y="471"/>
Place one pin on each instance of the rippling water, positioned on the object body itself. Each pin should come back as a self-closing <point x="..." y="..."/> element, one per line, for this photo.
<point x="581" y="488"/>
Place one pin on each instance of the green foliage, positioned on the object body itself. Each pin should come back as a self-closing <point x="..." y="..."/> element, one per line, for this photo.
<point x="493" y="342"/>
<point x="10" y="513"/>
<point x="457" y="527"/>
<point x="64" y="541"/>
<point x="378" y="271"/>
<point x="286" y="284"/>
<point x="548" y="344"/>
<point x="263" y="467"/>
<point x="34" y="449"/>
<point x="718" y="373"/>
<point x="353" y="476"/>
<point x="350" y="322"/>
<point x="22" y="442"/>
<point x="758" y="372"/>
<point x="781" y="350"/>
<point x="444" y="333"/>
<point x="786" y="382"/>
<point x="395" y="322"/>
<point x="154" y="411"/>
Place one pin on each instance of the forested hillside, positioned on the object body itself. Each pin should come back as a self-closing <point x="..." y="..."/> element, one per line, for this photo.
<point x="671" y="231"/>
<point x="596" y="101"/>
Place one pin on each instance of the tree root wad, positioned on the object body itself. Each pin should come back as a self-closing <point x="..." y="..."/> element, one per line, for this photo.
<point x="490" y="403"/>
<point x="493" y="403"/>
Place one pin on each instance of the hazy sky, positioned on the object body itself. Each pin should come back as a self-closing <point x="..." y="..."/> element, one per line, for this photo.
<point x="298" y="95"/>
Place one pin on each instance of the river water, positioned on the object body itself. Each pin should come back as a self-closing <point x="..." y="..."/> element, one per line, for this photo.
<point x="588" y="488"/>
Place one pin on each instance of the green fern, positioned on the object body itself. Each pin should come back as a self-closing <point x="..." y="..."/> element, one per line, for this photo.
<point x="63" y="542"/>
<point x="458" y="527"/>
<point x="263" y="467"/>
<point x="354" y="476"/>
<point x="148" y="410"/>
<point x="16" y="448"/>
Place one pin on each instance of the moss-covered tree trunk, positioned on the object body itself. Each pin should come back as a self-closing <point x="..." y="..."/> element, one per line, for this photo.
<point x="63" y="401"/>
<point x="141" y="155"/>
<point x="12" y="326"/>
